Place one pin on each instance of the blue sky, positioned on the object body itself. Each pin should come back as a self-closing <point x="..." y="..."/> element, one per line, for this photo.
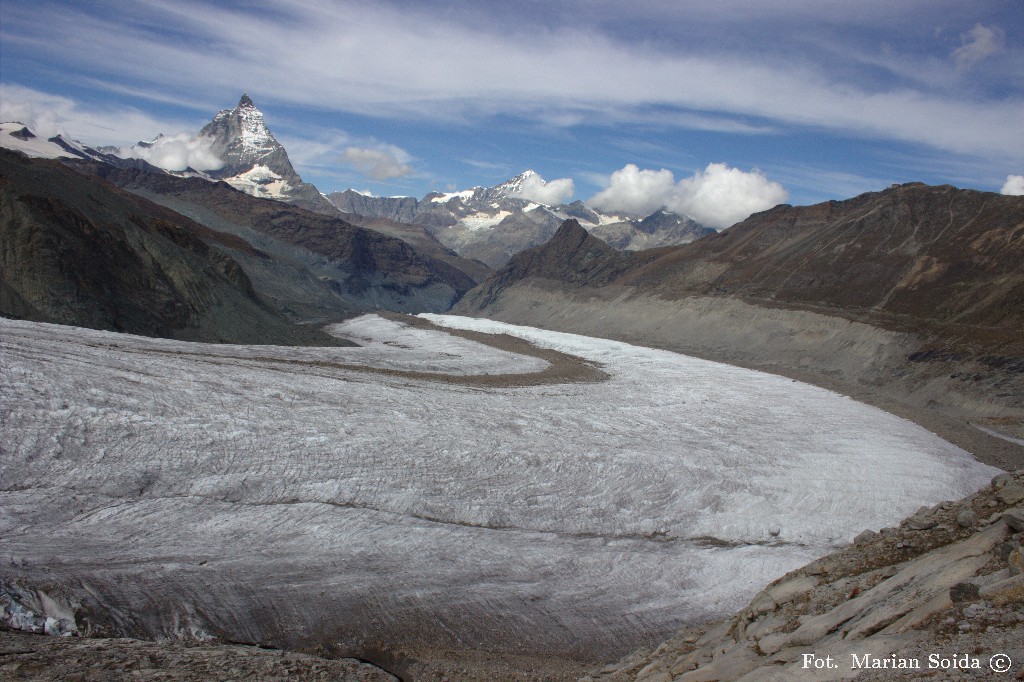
<point x="826" y="98"/>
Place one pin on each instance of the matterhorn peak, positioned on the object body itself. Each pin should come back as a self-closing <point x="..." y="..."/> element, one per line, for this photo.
<point x="254" y="161"/>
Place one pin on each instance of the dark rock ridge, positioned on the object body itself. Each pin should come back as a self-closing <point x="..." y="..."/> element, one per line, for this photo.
<point x="306" y="256"/>
<point x="907" y="298"/>
<point x="78" y="251"/>
<point x="573" y="256"/>
<point x="424" y="242"/>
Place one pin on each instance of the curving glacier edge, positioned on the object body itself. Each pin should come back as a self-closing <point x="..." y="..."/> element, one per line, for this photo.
<point x="365" y="500"/>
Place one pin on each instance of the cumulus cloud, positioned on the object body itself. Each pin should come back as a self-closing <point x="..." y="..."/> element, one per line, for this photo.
<point x="176" y="152"/>
<point x="535" y="188"/>
<point x="1014" y="185"/>
<point x="978" y="43"/>
<point x="636" y="191"/>
<point x="379" y="163"/>
<point x="718" y="196"/>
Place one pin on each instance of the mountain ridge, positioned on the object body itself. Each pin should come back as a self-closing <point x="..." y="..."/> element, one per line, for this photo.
<point x="841" y="255"/>
<point x="492" y="224"/>
<point x="78" y="251"/>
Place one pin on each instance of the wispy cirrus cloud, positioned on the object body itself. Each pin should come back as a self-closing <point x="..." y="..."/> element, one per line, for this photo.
<point x="444" y="66"/>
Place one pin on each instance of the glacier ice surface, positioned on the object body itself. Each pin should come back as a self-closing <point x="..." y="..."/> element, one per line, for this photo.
<point x="255" y="491"/>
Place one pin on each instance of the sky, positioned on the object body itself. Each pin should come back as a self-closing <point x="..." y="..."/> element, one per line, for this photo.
<point x="706" y="103"/>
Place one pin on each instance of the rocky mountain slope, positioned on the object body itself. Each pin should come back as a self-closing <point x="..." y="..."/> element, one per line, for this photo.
<point x="424" y="242"/>
<point x="494" y="223"/>
<point x="942" y="594"/>
<point x="907" y="298"/>
<point x="312" y="264"/>
<point x="78" y="251"/>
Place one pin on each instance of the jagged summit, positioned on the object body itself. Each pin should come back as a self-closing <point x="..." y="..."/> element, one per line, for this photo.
<point x="242" y="139"/>
<point x="513" y="186"/>
<point x="255" y="162"/>
<point x="570" y="230"/>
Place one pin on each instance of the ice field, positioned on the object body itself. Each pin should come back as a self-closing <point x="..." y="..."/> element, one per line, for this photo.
<point x="289" y="495"/>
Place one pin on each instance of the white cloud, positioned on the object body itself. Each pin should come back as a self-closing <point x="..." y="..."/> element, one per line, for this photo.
<point x="978" y="43"/>
<point x="718" y="196"/>
<point x="636" y="191"/>
<point x="552" y="192"/>
<point x="462" y="66"/>
<point x="1014" y="185"/>
<point x="47" y="115"/>
<point x="379" y="163"/>
<point x="37" y="110"/>
<point x="176" y="153"/>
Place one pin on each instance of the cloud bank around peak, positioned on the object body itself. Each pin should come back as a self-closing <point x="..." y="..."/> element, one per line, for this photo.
<point x="176" y="153"/>
<point x="550" y="192"/>
<point x="718" y="196"/>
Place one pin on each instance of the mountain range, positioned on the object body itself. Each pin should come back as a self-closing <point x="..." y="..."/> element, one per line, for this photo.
<point x="492" y="224"/>
<point x="122" y="245"/>
<point x="488" y="224"/>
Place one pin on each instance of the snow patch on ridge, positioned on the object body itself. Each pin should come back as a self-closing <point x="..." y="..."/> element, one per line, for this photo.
<point x="260" y="181"/>
<point x="481" y="220"/>
<point x="465" y="195"/>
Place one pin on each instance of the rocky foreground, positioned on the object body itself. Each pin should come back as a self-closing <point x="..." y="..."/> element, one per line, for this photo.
<point x="939" y="597"/>
<point x="26" y="656"/>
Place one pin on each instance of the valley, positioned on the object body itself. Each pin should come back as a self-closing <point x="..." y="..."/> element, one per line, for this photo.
<point x="494" y="434"/>
<point x="403" y="517"/>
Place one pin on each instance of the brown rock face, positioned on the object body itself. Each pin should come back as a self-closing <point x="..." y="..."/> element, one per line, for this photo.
<point x="78" y="251"/>
<point x="914" y="257"/>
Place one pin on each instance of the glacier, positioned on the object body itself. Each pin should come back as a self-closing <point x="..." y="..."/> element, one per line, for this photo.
<point x="363" y="499"/>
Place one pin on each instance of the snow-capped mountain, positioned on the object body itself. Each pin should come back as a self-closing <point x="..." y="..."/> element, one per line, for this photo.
<point x="254" y="161"/>
<point x="489" y="224"/>
<point x="17" y="136"/>
<point x="494" y="223"/>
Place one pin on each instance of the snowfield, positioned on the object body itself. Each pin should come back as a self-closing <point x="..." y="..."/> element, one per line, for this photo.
<point x="291" y="497"/>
